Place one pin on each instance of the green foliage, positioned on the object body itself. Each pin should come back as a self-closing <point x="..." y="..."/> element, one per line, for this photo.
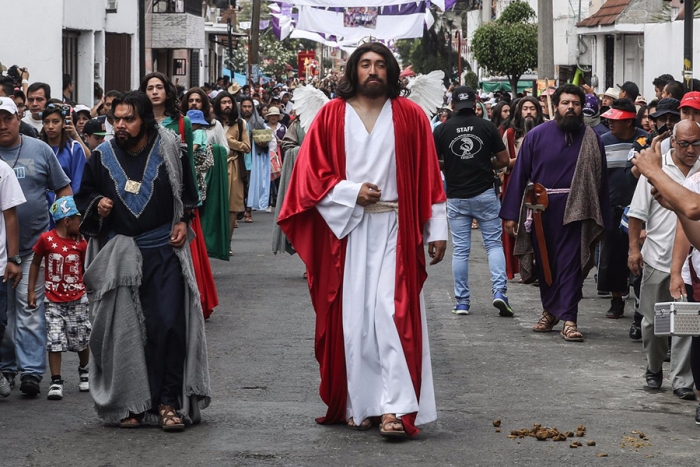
<point x="274" y="54"/>
<point x="517" y="12"/>
<point x="507" y="47"/>
<point x="471" y="79"/>
<point x="431" y="53"/>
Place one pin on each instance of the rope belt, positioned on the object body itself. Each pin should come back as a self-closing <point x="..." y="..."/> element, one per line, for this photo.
<point x="383" y="206"/>
<point x="550" y="191"/>
<point x="558" y="191"/>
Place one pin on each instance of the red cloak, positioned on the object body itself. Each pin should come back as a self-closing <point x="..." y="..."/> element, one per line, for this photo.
<point x="512" y="262"/>
<point x="320" y="165"/>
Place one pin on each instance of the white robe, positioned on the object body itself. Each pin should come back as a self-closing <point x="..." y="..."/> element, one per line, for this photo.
<point x="378" y="378"/>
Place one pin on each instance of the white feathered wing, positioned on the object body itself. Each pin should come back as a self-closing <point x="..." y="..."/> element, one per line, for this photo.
<point x="307" y="102"/>
<point x="428" y="91"/>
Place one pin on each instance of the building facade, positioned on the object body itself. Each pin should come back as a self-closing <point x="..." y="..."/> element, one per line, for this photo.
<point x="94" y="41"/>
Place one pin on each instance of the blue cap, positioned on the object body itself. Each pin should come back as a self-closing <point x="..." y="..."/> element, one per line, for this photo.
<point x="64" y="207"/>
<point x="197" y="117"/>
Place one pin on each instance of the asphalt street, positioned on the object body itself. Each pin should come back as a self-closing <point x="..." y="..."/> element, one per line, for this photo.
<point x="265" y="385"/>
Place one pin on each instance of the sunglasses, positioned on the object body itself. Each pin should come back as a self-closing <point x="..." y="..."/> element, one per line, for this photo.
<point x="685" y="144"/>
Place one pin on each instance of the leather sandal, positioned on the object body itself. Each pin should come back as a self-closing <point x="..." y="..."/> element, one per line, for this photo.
<point x="546" y="323"/>
<point x="391" y="427"/>
<point x="132" y="421"/>
<point x="364" y="426"/>
<point x="169" y="418"/>
<point x="571" y="333"/>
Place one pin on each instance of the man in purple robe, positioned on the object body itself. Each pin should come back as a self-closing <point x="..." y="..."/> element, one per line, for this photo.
<point x="568" y="159"/>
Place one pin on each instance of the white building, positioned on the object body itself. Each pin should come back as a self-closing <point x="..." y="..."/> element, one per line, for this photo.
<point x="93" y="41"/>
<point x="635" y="40"/>
<point x="568" y="50"/>
<point x="663" y="52"/>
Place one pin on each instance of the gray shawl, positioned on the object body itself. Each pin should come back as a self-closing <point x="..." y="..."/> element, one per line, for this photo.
<point x="291" y="145"/>
<point x="582" y="205"/>
<point x="118" y="374"/>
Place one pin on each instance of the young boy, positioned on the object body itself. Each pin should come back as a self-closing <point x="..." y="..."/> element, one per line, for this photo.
<point x="67" y="316"/>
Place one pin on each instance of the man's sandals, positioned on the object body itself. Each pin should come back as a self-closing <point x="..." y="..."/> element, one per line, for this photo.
<point x="546" y="322"/>
<point x="571" y="333"/>
<point x="391" y="427"/>
<point x="169" y="419"/>
<point x="132" y="421"/>
<point x="364" y="426"/>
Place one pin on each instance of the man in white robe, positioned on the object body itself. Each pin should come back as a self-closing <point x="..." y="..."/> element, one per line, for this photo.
<point x="364" y="197"/>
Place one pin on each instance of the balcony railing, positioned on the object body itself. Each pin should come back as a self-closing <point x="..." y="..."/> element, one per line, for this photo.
<point x="193" y="7"/>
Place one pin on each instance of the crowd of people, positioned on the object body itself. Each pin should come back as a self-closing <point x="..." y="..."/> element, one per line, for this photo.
<point x="157" y="180"/>
<point x="574" y="197"/>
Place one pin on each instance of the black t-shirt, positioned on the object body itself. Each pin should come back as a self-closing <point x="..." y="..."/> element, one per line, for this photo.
<point x="466" y="143"/>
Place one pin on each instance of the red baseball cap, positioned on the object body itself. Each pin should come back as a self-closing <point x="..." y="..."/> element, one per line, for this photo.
<point x="691" y="99"/>
<point x="615" y="114"/>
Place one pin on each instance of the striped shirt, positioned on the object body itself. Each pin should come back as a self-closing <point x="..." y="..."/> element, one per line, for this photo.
<point x="617" y="152"/>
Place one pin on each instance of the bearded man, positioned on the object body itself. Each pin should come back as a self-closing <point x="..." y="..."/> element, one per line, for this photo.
<point x="527" y="115"/>
<point x="561" y="172"/>
<point x="364" y="197"/>
<point x="236" y="130"/>
<point x="137" y="198"/>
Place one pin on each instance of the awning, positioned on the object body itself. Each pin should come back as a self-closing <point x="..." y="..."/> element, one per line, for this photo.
<point x="493" y="86"/>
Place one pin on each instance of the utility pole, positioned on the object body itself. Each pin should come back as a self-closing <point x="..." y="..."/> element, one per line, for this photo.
<point x="253" y="49"/>
<point x="449" y="54"/>
<point x="545" y="40"/>
<point x="689" y="6"/>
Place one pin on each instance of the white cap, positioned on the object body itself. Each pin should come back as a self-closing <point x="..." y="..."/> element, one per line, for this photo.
<point x="215" y="93"/>
<point x="8" y="105"/>
<point x="612" y="92"/>
<point x="81" y="108"/>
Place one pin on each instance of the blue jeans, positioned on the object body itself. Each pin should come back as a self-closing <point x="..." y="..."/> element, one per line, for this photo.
<point x="460" y="212"/>
<point x="24" y="346"/>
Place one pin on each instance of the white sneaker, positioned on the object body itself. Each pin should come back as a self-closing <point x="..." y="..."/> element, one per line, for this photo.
<point x="84" y="385"/>
<point x="55" y="391"/>
<point x="4" y="386"/>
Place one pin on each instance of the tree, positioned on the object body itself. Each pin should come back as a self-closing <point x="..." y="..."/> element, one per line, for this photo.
<point x="508" y="45"/>
<point x="471" y="80"/>
<point x="431" y="53"/>
<point x="275" y="55"/>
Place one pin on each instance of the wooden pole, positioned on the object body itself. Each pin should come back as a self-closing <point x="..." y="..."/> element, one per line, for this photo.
<point x="549" y="99"/>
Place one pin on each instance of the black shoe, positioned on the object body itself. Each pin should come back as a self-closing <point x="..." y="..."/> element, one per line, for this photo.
<point x="617" y="308"/>
<point x="635" y="331"/>
<point x="654" y="379"/>
<point x="686" y="394"/>
<point x="697" y="415"/>
<point x="30" y="385"/>
<point x="10" y="379"/>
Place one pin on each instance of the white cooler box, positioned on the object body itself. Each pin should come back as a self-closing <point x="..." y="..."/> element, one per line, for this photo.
<point x="677" y="319"/>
